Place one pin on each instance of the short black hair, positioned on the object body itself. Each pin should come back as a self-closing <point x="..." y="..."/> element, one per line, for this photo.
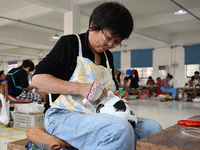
<point x="126" y="78"/>
<point x="169" y="76"/>
<point x="113" y="16"/>
<point x="158" y="78"/>
<point x="1" y="72"/>
<point x="28" y="63"/>
<point x="196" y="72"/>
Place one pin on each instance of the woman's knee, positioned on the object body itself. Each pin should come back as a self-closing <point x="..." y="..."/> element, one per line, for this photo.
<point x="118" y="135"/>
<point x="151" y="125"/>
<point x="124" y="128"/>
<point x="124" y="133"/>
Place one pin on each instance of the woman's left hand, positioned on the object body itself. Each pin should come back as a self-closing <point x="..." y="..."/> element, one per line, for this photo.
<point x="123" y="95"/>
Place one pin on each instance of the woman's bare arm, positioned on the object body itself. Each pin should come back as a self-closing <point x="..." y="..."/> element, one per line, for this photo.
<point x="51" y="84"/>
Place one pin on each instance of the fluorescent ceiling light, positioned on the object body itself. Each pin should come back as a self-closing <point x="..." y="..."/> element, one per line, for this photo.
<point x="180" y="12"/>
<point x="56" y="36"/>
<point x="40" y="54"/>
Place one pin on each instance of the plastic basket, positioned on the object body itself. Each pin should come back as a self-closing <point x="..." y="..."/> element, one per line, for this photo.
<point x="24" y="121"/>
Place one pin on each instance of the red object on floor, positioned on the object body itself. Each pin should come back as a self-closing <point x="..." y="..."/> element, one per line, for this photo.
<point x="158" y="91"/>
<point x="149" y="94"/>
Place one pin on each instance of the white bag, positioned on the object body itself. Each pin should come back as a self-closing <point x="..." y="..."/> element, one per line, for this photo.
<point x="5" y="111"/>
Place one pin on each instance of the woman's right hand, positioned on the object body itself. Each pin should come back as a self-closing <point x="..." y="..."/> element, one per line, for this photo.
<point x="92" y="91"/>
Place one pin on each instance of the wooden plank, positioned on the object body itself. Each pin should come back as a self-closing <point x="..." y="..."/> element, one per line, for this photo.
<point x="163" y="99"/>
<point x="17" y="145"/>
<point x="169" y="139"/>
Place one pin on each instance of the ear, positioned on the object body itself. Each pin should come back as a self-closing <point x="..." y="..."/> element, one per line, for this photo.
<point x="28" y="69"/>
<point x="92" y="26"/>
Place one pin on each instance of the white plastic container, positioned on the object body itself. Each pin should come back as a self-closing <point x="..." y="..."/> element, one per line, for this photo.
<point x="24" y="121"/>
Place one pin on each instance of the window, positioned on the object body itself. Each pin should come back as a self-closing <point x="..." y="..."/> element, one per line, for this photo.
<point x="117" y="59"/>
<point x="144" y="72"/>
<point x="192" y="54"/>
<point x="141" y="58"/>
<point x="190" y="69"/>
<point x="192" y="61"/>
<point x="12" y="64"/>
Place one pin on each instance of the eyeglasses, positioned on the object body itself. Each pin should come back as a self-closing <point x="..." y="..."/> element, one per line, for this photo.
<point x="108" y="42"/>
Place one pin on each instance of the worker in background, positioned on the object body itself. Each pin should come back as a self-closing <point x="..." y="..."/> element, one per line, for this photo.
<point x="18" y="78"/>
<point x="2" y="75"/>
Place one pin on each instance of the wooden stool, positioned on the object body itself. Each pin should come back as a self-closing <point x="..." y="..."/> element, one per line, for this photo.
<point x="17" y="145"/>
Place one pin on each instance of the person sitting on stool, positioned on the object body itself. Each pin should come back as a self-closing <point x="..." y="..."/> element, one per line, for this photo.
<point x="195" y="79"/>
<point x="18" y="78"/>
<point x="166" y="87"/>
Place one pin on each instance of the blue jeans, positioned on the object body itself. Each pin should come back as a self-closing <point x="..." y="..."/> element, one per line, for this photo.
<point x="96" y="131"/>
<point x="170" y="90"/>
<point x="146" y="127"/>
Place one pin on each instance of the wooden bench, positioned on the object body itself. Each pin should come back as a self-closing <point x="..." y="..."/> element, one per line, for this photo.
<point x="169" y="139"/>
<point x="183" y="90"/>
<point x="4" y="91"/>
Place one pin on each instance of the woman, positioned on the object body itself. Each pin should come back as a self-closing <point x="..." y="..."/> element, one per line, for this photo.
<point x="150" y="84"/>
<point x="166" y="87"/>
<point x="195" y="79"/>
<point x="18" y="79"/>
<point x="132" y="83"/>
<point x="150" y="81"/>
<point x="78" y="67"/>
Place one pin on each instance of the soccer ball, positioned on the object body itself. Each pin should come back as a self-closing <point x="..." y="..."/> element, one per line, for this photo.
<point x="113" y="105"/>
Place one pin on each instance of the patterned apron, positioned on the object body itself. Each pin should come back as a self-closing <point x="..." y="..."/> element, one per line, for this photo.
<point x="86" y="72"/>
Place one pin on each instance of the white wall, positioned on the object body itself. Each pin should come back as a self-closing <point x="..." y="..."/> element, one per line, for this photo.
<point x="125" y="60"/>
<point x="163" y="56"/>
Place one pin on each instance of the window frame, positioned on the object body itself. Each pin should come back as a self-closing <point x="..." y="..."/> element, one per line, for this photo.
<point x="186" y="70"/>
<point x="141" y="75"/>
<point x="12" y="64"/>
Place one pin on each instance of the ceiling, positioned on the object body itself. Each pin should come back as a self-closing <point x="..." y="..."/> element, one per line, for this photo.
<point x="155" y="25"/>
